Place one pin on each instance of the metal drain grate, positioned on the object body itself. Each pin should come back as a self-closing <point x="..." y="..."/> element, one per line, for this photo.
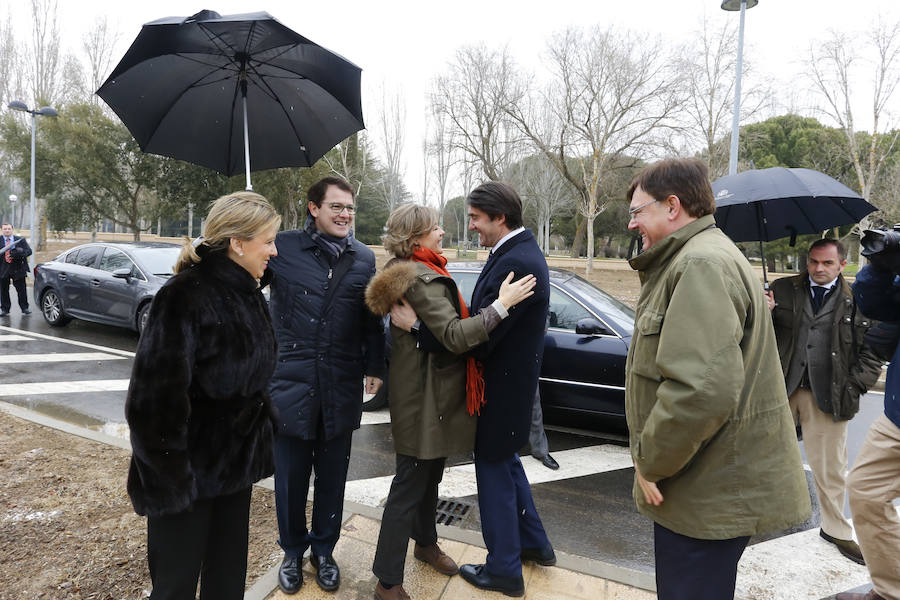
<point x="451" y="512"/>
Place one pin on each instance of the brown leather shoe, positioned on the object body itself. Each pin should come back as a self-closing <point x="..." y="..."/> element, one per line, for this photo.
<point x="848" y="548"/>
<point x="395" y="593"/>
<point x="872" y="595"/>
<point x="435" y="557"/>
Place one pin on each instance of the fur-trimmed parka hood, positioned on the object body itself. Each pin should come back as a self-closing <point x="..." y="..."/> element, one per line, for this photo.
<point x="391" y="284"/>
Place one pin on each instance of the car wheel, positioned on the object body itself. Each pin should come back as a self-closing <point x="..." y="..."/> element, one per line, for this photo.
<point x="51" y="308"/>
<point x="143" y="315"/>
<point x="379" y="400"/>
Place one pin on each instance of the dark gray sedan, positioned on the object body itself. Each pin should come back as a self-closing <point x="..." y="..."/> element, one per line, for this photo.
<point x="104" y="282"/>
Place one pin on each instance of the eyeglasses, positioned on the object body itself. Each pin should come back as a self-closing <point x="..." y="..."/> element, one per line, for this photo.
<point x="633" y="212"/>
<point x="337" y="209"/>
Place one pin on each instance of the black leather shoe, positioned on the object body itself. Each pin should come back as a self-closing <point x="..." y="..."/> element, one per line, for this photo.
<point x="26" y="311"/>
<point x="290" y="577"/>
<point x="548" y="461"/>
<point x="480" y="578"/>
<point x="4" y="313"/>
<point x="545" y="557"/>
<point x="328" y="576"/>
<point x="848" y="548"/>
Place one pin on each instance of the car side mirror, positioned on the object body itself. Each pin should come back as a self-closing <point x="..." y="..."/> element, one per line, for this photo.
<point x="591" y="326"/>
<point x="123" y="273"/>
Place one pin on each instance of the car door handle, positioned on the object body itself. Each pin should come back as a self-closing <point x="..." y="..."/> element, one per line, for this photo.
<point x="95" y="282"/>
<point x="62" y="277"/>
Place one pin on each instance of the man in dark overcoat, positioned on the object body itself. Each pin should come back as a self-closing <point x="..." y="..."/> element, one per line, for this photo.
<point x="328" y="341"/>
<point x="13" y="267"/>
<point x="510" y="523"/>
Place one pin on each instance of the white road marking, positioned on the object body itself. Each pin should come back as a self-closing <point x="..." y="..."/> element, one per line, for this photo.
<point x="62" y="387"/>
<point x="15" y="338"/>
<point x="459" y="481"/>
<point x="376" y="417"/>
<point x="71" y="342"/>
<point x="57" y="357"/>
<point x="799" y="565"/>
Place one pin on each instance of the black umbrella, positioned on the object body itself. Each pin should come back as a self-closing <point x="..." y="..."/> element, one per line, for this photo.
<point x="191" y="88"/>
<point x="768" y="204"/>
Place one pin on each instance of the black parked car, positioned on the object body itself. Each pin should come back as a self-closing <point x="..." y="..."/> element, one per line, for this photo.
<point x="110" y="283"/>
<point x="583" y="373"/>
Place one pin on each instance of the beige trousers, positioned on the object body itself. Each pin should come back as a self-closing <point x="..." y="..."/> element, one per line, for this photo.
<point x="874" y="484"/>
<point x="825" y="442"/>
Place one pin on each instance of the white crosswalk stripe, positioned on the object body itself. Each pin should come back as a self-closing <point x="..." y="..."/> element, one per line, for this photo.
<point x="459" y="481"/>
<point x="15" y="338"/>
<point x="62" y="387"/>
<point x="11" y="359"/>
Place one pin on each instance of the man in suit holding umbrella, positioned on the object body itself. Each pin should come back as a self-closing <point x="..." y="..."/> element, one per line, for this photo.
<point x="13" y="267"/>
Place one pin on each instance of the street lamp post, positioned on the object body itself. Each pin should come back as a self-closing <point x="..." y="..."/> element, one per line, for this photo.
<point x="47" y="111"/>
<point x="734" y="5"/>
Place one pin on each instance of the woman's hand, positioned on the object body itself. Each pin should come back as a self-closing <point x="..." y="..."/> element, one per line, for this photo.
<point x="402" y="315"/>
<point x="511" y="293"/>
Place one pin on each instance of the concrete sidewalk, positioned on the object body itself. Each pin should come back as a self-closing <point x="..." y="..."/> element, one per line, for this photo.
<point x="356" y="550"/>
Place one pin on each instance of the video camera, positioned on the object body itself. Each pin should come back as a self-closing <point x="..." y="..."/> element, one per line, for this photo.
<point x="882" y="248"/>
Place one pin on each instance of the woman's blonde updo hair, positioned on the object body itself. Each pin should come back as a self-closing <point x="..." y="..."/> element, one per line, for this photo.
<point x="406" y="223"/>
<point x="241" y="215"/>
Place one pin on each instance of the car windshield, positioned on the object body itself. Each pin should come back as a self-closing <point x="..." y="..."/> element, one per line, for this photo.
<point x="159" y="261"/>
<point x="612" y="308"/>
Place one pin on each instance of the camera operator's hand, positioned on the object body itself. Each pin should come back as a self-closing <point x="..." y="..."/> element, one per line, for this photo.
<point x="882" y="261"/>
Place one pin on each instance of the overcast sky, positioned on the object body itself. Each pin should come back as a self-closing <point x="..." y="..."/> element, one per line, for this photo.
<point x="400" y="43"/>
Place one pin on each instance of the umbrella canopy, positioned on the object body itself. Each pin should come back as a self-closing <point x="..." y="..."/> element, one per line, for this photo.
<point x="191" y="88"/>
<point x="768" y="204"/>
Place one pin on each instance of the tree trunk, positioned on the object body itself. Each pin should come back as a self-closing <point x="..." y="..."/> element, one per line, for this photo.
<point x="590" y="247"/>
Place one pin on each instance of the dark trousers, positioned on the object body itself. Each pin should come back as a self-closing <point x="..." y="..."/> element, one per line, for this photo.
<point x="21" y="292"/>
<point x="692" y="569"/>
<point x="408" y="513"/>
<point x="295" y="459"/>
<point x="208" y="541"/>
<point x="509" y="518"/>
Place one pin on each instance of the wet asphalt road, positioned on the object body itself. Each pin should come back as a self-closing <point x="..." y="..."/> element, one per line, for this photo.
<point x="590" y="514"/>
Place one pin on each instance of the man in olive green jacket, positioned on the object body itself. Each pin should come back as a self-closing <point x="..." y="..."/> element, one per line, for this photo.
<point x="715" y="454"/>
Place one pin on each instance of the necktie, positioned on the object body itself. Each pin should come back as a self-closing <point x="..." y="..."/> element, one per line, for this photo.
<point x="818" y="295"/>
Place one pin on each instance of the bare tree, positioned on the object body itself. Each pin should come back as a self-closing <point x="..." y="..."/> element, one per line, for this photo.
<point x="44" y="53"/>
<point x="10" y="62"/>
<point x="831" y="69"/>
<point x="610" y="94"/>
<point x="709" y="67"/>
<point x="542" y="189"/>
<point x="391" y="125"/>
<point x="474" y="96"/>
<point x="99" y="44"/>
<point x="439" y="157"/>
<point x="350" y="160"/>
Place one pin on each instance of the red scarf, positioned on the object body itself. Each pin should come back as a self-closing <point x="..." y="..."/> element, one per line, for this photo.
<point x="474" y="369"/>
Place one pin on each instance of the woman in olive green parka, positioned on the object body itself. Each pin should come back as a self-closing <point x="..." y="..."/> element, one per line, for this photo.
<point x="434" y="391"/>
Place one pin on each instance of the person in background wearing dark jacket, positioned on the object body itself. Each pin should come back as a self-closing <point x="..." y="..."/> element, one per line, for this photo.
<point x="510" y="523"/>
<point x="874" y="482"/>
<point x="13" y="267"/>
<point x="327" y="342"/>
<point x="431" y="385"/>
<point x="826" y="368"/>
<point x="198" y="406"/>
